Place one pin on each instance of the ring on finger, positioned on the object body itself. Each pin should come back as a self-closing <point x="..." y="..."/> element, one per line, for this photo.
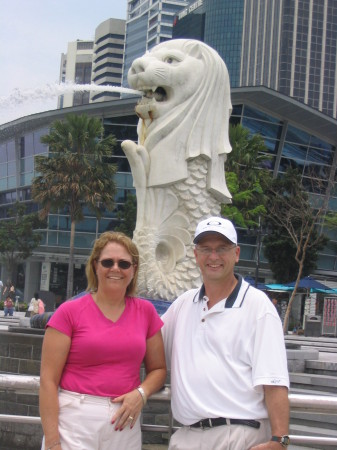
<point x="130" y="418"/>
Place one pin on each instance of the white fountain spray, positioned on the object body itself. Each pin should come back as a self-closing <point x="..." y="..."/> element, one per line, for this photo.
<point x="52" y="90"/>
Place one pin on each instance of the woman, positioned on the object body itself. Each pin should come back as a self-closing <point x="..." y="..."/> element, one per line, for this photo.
<point x="92" y="352"/>
<point x="9" y="290"/>
<point x="34" y="305"/>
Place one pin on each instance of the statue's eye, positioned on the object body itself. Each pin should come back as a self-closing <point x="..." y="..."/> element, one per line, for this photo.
<point x="171" y="60"/>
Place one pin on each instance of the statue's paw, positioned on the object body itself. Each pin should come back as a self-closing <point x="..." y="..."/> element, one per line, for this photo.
<point x="144" y="155"/>
<point x="129" y="146"/>
<point x="138" y="162"/>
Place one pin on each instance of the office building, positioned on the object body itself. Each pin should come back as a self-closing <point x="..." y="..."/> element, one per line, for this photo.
<point x="285" y="45"/>
<point x="148" y="23"/>
<point x="99" y="61"/>
<point x="76" y="67"/>
<point x="108" y="56"/>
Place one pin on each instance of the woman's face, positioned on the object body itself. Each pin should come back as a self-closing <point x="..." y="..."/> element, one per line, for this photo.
<point x="114" y="277"/>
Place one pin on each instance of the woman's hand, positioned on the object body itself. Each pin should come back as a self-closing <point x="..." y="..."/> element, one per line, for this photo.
<point x="127" y="414"/>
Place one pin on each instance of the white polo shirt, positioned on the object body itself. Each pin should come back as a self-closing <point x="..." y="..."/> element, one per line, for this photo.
<point x="221" y="358"/>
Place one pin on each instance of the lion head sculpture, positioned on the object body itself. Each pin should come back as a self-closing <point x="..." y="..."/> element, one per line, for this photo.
<point x="184" y="112"/>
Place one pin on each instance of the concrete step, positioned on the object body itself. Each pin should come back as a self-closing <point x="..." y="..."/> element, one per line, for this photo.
<point x="309" y="391"/>
<point x="297" y="358"/>
<point x="321" y="367"/>
<point x="323" y="344"/>
<point x="305" y="339"/>
<point x="5" y="322"/>
<point x="317" y="382"/>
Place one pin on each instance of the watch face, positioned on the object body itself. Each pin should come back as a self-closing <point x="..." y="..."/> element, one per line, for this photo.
<point x="285" y="440"/>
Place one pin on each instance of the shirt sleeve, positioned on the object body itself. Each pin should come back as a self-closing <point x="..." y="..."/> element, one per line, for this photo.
<point x="155" y="322"/>
<point x="62" y="319"/>
<point x="269" y="353"/>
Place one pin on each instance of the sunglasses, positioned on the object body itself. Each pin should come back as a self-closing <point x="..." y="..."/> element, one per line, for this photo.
<point x="121" y="263"/>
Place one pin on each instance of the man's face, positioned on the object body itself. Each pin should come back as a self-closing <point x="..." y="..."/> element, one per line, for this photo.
<point x="216" y="256"/>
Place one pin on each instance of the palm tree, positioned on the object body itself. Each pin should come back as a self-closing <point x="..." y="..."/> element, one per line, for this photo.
<point x="75" y="174"/>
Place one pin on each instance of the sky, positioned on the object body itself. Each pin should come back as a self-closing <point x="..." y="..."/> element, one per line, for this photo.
<point x="33" y="35"/>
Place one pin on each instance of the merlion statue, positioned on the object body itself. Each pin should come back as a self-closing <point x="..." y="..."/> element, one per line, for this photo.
<point x="178" y="163"/>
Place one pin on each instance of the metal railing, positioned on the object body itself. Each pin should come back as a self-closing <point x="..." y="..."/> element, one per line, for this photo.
<point x="298" y="402"/>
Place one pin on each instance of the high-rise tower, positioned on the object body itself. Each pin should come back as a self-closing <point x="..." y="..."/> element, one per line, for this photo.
<point x="148" y="23"/>
<point x="108" y="57"/>
<point x="288" y="46"/>
<point x="99" y="61"/>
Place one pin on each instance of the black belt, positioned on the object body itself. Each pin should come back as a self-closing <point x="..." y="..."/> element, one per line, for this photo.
<point x="210" y="423"/>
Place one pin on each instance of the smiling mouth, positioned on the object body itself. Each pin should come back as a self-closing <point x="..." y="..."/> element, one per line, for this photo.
<point x="157" y="93"/>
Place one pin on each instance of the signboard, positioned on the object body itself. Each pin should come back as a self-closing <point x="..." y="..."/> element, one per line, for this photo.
<point x="330" y="316"/>
<point x="190" y="8"/>
<point x="45" y="276"/>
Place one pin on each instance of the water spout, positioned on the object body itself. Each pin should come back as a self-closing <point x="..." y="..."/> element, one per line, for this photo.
<point x="52" y="90"/>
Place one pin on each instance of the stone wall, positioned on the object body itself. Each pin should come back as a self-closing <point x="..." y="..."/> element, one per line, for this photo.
<point x="20" y="354"/>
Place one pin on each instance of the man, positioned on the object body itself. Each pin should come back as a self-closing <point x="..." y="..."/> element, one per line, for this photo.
<point x="277" y="306"/>
<point x="225" y="347"/>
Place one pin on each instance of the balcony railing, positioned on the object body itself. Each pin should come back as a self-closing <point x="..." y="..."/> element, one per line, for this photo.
<point x="298" y="402"/>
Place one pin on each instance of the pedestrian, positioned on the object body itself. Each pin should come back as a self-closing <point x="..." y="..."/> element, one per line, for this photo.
<point x="8" y="307"/>
<point x="277" y="306"/>
<point x="9" y="290"/>
<point x="91" y="395"/>
<point x="225" y="346"/>
<point x="35" y="305"/>
<point x="41" y="306"/>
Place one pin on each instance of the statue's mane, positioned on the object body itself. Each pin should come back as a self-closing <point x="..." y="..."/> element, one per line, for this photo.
<point x="201" y="120"/>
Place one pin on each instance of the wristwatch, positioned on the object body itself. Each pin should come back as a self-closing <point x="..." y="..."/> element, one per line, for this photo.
<point x="283" y="440"/>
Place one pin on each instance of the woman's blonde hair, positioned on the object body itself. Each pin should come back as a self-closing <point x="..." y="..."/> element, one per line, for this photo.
<point x="100" y="243"/>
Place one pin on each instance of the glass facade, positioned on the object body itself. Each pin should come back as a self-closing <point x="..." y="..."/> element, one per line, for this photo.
<point x="149" y="22"/>
<point x="311" y="155"/>
<point x="287" y="46"/>
<point x="223" y="32"/>
<point x="287" y="144"/>
<point x="58" y="233"/>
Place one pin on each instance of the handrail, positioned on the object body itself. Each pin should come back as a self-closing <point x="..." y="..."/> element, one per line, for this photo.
<point x="298" y="402"/>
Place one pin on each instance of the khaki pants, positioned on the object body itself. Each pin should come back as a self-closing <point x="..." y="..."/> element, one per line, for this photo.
<point x="225" y="437"/>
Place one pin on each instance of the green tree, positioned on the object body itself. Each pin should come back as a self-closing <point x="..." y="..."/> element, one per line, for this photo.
<point x="18" y="237"/>
<point x="280" y="251"/>
<point x="247" y="176"/>
<point x="127" y="217"/>
<point x="295" y="214"/>
<point x="77" y="173"/>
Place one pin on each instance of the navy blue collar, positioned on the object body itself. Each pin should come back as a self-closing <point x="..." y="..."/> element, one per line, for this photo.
<point x="232" y="296"/>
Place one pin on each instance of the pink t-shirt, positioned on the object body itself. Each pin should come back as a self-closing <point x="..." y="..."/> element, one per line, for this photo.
<point x="105" y="356"/>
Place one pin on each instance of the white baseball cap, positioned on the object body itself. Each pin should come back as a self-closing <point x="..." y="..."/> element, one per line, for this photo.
<point x="217" y="225"/>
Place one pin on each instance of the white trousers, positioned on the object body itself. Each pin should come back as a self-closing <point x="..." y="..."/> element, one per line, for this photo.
<point x="225" y="437"/>
<point x="85" y="424"/>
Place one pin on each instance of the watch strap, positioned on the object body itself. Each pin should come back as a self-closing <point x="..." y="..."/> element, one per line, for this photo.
<point x="283" y="440"/>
